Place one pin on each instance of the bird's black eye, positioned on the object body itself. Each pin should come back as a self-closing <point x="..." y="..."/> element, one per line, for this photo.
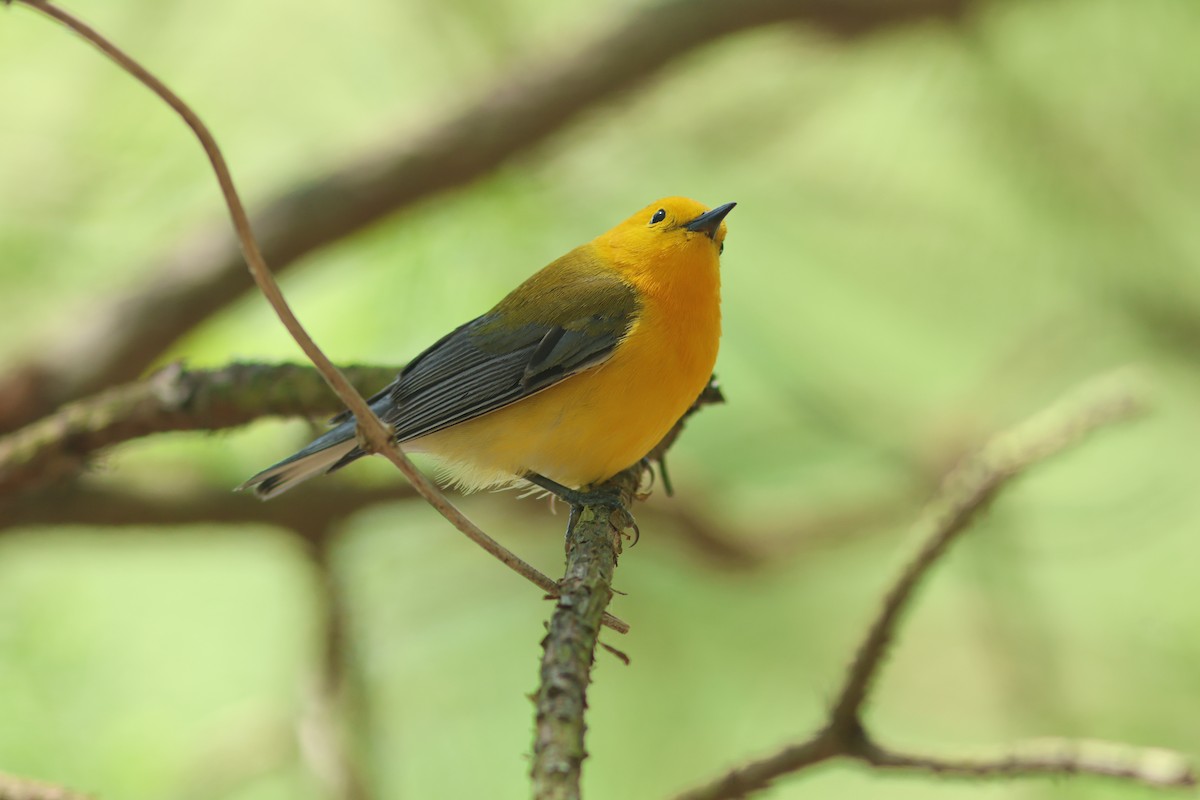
<point x="659" y="216"/>
<point x="721" y="249"/>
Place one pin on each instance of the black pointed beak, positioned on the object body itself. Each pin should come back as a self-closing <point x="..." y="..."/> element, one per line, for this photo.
<point x="708" y="222"/>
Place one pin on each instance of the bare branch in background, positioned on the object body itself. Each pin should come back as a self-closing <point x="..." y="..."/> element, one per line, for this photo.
<point x="753" y="543"/>
<point x="521" y="110"/>
<point x="14" y="788"/>
<point x="1149" y="766"/>
<point x="966" y="491"/>
<point x="310" y="514"/>
<point x="323" y="504"/>
<point x="325" y="731"/>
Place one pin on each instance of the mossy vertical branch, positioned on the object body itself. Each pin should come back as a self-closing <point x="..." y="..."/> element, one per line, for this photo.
<point x="593" y="546"/>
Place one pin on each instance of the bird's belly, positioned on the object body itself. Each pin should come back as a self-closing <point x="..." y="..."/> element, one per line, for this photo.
<point x="586" y="428"/>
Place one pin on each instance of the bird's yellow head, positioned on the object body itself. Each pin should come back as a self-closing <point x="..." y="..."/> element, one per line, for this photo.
<point x="669" y="238"/>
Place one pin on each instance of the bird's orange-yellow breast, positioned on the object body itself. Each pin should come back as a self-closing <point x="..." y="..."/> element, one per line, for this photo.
<point x="590" y="426"/>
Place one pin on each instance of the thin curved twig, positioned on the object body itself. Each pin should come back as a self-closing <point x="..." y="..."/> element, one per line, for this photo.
<point x="374" y="433"/>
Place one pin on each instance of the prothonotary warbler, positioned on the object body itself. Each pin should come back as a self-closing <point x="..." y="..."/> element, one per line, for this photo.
<point x="575" y="375"/>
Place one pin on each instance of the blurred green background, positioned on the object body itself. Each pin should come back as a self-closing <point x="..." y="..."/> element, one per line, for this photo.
<point x="939" y="231"/>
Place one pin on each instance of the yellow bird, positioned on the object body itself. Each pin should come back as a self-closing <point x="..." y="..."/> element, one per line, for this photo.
<point x="575" y="375"/>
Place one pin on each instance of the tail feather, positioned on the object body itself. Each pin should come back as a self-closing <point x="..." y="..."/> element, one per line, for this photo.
<point x="331" y="451"/>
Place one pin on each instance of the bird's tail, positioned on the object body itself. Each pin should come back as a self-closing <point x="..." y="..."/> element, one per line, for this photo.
<point x="334" y="449"/>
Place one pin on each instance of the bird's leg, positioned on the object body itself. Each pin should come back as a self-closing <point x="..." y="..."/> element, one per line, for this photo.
<point x="608" y="497"/>
<point x="664" y="475"/>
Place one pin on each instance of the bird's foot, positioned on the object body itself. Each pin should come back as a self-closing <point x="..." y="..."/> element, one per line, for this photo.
<point x="604" y="496"/>
<point x="646" y="480"/>
<point x="607" y="496"/>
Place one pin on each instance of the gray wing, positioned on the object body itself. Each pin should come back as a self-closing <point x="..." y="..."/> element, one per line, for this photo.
<point x="502" y="357"/>
<point x="470" y="373"/>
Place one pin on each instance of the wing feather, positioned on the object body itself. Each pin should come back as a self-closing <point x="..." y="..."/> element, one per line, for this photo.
<point x="566" y="319"/>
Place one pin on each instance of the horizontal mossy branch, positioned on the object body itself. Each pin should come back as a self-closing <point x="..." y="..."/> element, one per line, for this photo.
<point x="173" y="399"/>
